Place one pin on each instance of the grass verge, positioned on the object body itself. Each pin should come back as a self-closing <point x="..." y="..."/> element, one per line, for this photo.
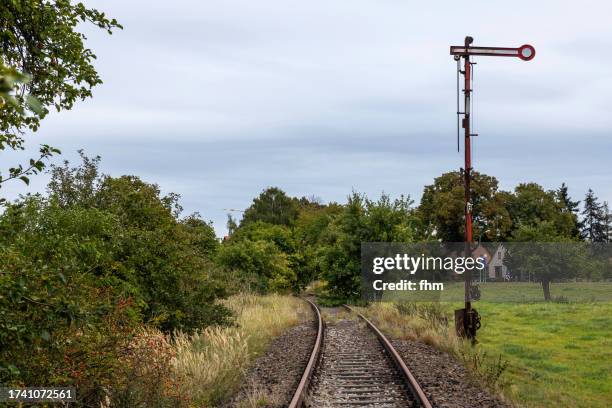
<point x="534" y="354"/>
<point x="211" y="363"/>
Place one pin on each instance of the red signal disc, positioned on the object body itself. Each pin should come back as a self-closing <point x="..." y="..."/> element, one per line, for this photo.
<point x="526" y="52"/>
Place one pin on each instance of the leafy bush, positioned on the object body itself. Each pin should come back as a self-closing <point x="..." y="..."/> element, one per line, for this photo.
<point x="262" y="265"/>
<point x="85" y="267"/>
<point x="362" y="220"/>
<point x="147" y="378"/>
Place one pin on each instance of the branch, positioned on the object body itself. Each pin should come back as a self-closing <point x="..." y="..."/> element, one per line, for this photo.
<point x="35" y="167"/>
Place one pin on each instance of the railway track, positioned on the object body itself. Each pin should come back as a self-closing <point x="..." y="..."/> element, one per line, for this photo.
<point x="354" y="365"/>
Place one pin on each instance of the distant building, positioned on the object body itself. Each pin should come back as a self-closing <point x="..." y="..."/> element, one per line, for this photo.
<point x="496" y="267"/>
<point x="495" y="270"/>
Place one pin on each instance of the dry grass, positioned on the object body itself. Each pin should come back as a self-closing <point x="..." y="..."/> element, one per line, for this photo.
<point x="211" y="363"/>
<point x="428" y="323"/>
<point x="256" y="397"/>
<point x="204" y="368"/>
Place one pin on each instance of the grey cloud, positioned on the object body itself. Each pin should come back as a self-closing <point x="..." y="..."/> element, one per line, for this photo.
<point x="217" y="100"/>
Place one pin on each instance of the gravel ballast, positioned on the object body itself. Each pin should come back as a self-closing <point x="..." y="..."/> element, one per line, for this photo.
<point x="275" y="375"/>
<point x="446" y="382"/>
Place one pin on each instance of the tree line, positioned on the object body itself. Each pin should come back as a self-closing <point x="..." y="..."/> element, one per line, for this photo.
<point x="304" y="240"/>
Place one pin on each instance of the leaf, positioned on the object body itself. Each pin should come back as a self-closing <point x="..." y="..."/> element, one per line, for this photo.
<point x="25" y="179"/>
<point x="45" y="335"/>
<point x="34" y="104"/>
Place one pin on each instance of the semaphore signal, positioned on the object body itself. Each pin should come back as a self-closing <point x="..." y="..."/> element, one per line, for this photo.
<point x="525" y="52"/>
<point x="467" y="320"/>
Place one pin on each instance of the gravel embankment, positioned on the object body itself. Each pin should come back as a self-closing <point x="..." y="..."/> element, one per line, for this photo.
<point x="276" y="374"/>
<point x="445" y="381"/>
<point x="354" y="371"/>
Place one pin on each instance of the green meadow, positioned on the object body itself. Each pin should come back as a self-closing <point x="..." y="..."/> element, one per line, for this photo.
<point x="512" y="292"/>
<point x="559" y="353"/>
<point x="521" y="292"/>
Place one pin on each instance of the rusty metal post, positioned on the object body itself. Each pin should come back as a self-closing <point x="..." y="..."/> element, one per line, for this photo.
<point x="463" y="318"/>
<point x="467" y="320"/>
<point x="468" y="170"/>
<point x="467" y="173"/>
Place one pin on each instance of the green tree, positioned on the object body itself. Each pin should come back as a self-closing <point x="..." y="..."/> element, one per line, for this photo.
<point x="272" y="206"/>
<point x="441" y="210"/>
<point x="607" y="222"/>
<point x="231" y="225"/>
<point x="259" y="265"/>
<point x="75" y="186"/>
<point x="168" y="261"/>
<point x="86" y="266"/>
<point x="202" y="234"/>
<point x="571" y="207"/>
<point x="279" y="235"/>
<point x="541" y="251"/>
<point x="531" y="205"/>
<point x="61" y="319"/>
<point x="44" y="64"/>
<point x="594" y="229"/>
<point x="309" y="232"/>
<point x="362" y="220"/>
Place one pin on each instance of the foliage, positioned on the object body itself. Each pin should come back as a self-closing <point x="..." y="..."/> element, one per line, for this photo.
<point x="595" y="224"/>
<point x="570" y="206"/>
<point x="362" y="220"/>
<point x="210" y="363"/>
<point x="530" y="205"/>
<point x="441" y="210"/>
<point x="202" y="235"/>
<point x="84" y="267"/>
<point x="166" y="260"/>
<point x="548" y="257"/>
<point x="45" y="64"/>
<point x="309" y="234"/>
<point x="607" y="222"/>
<point x="496" y="214"/>
<point x="279" y="235"/>
<point x="272" y="206"/>
<point x="75" y="186"/>
<point x="298" y="243"/>
<point x="60" y="323"/>
<point x="262" y="266"/>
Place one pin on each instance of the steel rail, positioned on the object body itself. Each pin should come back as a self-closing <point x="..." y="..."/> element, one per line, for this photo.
<point x="300" y="393"/>
<point x="399" y="362"/>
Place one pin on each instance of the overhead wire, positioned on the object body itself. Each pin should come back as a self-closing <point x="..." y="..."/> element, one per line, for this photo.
<point x="458" y="92"/>
<point x="472" y="113"/>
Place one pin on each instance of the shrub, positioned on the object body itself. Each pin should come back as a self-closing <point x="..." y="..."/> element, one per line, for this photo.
<point x="147" y="378"/>
<point x="261" y="264"/>
<point x="82" y="269"/>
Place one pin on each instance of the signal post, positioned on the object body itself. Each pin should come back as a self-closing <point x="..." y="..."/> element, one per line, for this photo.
<point x="467" y="320"/>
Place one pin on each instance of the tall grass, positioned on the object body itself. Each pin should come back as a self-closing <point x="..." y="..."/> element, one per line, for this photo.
<point x="210" y="363"/>
<point x="429" y="323"/>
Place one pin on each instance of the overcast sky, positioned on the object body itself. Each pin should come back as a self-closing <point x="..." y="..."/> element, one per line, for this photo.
<point x="217" y="100"/>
